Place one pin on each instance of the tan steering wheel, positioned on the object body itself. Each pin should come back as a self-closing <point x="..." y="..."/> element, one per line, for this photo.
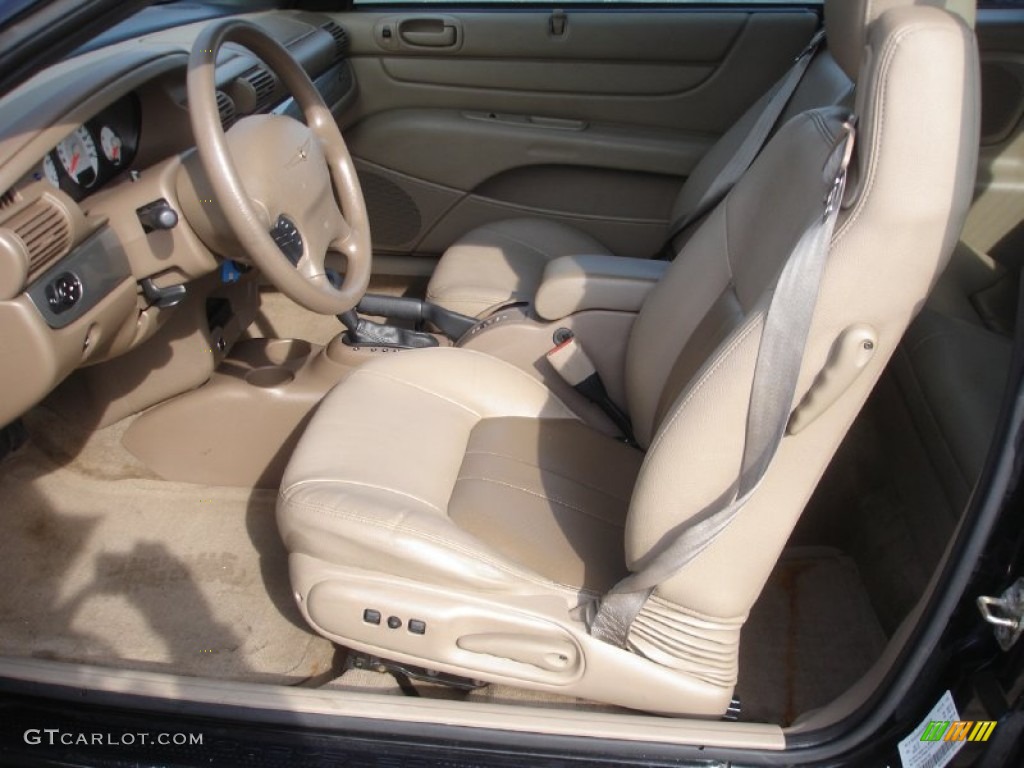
<point x="279" y="182"/>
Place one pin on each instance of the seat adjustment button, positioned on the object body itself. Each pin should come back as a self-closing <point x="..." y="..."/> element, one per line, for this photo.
<point x="371" y="616"/>
<point x="394" y="622"/>
<point x="417" y="627"/>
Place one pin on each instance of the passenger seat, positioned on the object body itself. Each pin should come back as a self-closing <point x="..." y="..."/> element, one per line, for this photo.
<point x="503" y="262"/>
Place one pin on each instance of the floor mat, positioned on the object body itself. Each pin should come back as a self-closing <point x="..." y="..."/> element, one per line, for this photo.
<point x="148" y="574"/>
<point x="810" y="636"/>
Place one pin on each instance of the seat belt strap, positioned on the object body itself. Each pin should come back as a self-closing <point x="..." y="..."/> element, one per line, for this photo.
<point x="578" y="371"/>
<point x="749" y="148"/>
<point x="779" y="359"/>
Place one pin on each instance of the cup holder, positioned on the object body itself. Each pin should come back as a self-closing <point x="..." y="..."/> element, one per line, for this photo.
<point x="263" y="353"/>
<point x="269" y="377"/>
<point x="281" y="351"/>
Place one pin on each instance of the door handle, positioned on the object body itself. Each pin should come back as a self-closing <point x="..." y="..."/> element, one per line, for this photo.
<point x="427" y="33"/>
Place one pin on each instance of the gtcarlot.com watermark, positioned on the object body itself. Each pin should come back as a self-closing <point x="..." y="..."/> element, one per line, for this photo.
<point x="53" y="737"/>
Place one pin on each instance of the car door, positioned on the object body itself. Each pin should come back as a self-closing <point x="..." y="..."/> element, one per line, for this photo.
<point x="995" y="224"/>
<point x="592" y="117"/>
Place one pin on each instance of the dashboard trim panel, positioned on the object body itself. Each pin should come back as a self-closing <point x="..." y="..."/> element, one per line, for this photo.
<point x="99" y="263"/>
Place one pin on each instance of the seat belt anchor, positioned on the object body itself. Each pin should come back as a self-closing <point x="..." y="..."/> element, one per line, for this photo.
<point x="845" y="143"/>
<point x="811" y="46"/>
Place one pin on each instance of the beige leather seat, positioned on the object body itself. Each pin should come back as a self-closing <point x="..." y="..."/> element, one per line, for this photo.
<point x="503" y="262"/>
<point x="444" y="509"/>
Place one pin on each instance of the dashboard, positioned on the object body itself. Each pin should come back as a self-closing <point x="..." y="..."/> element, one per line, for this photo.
<point x="96" y="254"/>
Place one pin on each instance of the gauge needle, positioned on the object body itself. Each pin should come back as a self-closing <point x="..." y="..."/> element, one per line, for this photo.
<point x="74" y="162"/>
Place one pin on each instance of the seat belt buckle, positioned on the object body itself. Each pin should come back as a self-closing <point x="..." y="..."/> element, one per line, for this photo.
<point x="579" y="372"/>
<point x="571" y="362"/>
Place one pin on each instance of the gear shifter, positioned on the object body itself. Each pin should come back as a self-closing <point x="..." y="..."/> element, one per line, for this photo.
<point x="366" y="333"/>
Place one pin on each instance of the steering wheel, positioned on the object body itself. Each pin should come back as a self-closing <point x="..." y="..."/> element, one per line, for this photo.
<point x="287" y="190"/>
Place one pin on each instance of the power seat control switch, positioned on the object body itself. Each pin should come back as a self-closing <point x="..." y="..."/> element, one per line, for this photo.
<point x="288" y="239"/>
<point x="64" y="292"/>
<point x="157" y="215"/>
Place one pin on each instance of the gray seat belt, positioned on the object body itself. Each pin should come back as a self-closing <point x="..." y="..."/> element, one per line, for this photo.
<point x="751" y="145"/>
<point x="779" y="359"/>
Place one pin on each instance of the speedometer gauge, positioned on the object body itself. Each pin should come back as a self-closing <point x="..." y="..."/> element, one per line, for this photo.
<point x="77" y="154"/>
<point x="111" y="144"/>
<point x="50" y="171"/>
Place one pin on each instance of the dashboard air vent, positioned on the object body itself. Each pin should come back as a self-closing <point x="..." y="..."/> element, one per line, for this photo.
<point x="8" y="198"/>
<point x="226" y="108"/>
<point x="46" y="232"/>
<point x="340" y="39"/>
<point x="263" y="83"/>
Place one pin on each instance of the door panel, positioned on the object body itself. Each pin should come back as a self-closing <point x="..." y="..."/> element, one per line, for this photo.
<point x="594" y="119"/>
<point x="994" y="223"/>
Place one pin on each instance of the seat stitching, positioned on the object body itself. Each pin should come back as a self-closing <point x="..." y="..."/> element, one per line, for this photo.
<point x="523" y="243"/>
<point x="341" y="481"/>
<point x="448" y="543"/>
<point x="879" y="103"/>
<point x="522" y="375"/>
<point x="698" y="385"/>
<point x="550" y="472"/>
<point x="543" y="496"/>
<point x="370" y="372"/>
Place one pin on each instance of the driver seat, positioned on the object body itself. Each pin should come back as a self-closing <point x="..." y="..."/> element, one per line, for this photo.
<point x="444" y="509"/>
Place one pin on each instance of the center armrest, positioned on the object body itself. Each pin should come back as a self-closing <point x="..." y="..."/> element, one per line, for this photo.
<point x="574" y="283"/>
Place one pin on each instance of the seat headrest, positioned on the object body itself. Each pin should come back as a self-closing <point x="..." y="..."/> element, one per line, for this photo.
<point x="847" y="22"/>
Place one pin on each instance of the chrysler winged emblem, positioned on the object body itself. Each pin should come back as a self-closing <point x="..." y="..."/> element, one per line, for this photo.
<point x="302" y="154"/>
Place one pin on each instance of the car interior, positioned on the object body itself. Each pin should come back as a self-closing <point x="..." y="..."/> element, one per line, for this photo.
<point x="364" y="355"/>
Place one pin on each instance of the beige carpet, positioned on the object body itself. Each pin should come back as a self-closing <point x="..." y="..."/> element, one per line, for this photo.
<point x="147" y="574"/>
<point x="810" y="636"/>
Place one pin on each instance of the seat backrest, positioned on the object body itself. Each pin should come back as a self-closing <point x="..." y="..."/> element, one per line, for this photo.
<point x="690" y="363"/>
<point x="828" y="81"/>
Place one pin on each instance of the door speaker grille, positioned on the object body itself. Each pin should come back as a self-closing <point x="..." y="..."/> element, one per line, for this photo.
<point x="395" y="219"/>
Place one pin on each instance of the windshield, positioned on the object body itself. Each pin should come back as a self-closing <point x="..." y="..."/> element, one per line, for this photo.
<point x="172" y="13"/>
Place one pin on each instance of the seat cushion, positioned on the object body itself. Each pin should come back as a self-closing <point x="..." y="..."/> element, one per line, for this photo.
<point x="426" y="465"/>
<point x="550" y="494"/>
<point x="503" y="263"/>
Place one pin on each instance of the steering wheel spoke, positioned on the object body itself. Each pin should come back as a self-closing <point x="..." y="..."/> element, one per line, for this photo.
<point x="279" y="181"/>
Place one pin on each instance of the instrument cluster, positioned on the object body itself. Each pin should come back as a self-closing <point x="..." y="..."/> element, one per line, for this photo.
<point x="96" y="151"/>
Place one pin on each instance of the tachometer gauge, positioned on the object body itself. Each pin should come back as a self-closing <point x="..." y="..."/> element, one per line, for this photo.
<point x="111" y="144"/>
<point x="50" y="171"/>
<point x="77" y="154"/>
